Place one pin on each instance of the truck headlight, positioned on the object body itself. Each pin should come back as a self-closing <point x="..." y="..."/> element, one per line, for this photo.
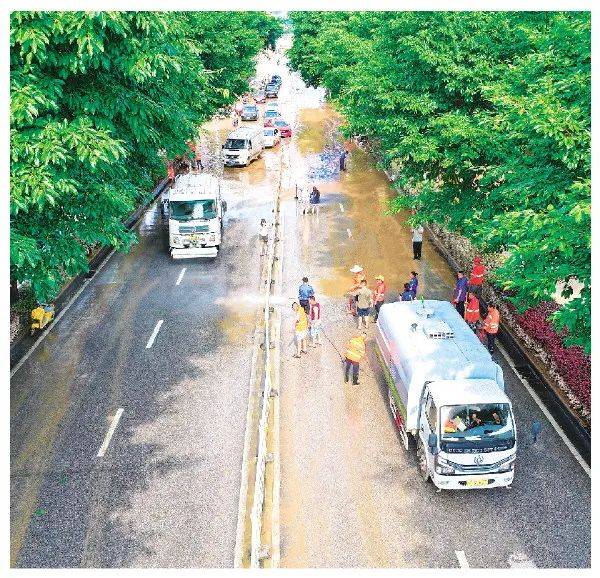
<point x="176" y="240"/>
<point x="507" y="465"/>
<point x="442" y="466"/>
<point x="212" y="237"/>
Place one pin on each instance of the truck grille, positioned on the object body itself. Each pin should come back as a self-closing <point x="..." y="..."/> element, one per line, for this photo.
<point x="193" y="229"/>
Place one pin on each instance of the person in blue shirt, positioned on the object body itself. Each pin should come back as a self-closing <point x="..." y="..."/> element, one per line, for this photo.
<point x="413" y="284"/>
<point x="305" y="292"/>
<point x="407" y="294"/>
<point x="460" y="292"/>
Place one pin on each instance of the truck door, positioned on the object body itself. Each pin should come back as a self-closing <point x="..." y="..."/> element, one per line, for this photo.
<point x="428" y="424"/>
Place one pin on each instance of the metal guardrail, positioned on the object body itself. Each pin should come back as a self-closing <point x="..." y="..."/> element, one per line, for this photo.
<point x="256" y="515"/>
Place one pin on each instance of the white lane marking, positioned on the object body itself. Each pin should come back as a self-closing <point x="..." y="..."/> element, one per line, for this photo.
<point x="341" y="207"/>
<point x="349" y="233"/>
<point x="180" y="276"/>
<point x="520" y="560"/>
<point x="545" y="411"/>
<point x="154" y="334"/>
<point x="109" y="433"/>
<point x="62" y="312"/>
<point x="462" y="559"/>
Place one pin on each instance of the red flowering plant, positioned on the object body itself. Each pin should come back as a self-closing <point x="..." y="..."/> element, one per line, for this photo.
<point x="573" y="365"/>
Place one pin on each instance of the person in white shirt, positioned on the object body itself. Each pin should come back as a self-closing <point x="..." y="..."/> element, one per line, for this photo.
<point x="417" y="241"/>
<point x="263" y="236"/>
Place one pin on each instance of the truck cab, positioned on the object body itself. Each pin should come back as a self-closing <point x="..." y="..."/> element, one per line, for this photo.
<point x="446" y="395"/>
<point x="242" y="146"/>
<point x="196" y="211"/>
<point x="468" y="443"/>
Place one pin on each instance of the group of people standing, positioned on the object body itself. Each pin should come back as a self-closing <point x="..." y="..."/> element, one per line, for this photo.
<point x="467" y="293"/>
<point x="307" y="318"/>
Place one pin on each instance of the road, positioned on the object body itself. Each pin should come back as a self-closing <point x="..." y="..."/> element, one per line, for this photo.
<point x="351" y="496"/>
<point x="165" y="493"/>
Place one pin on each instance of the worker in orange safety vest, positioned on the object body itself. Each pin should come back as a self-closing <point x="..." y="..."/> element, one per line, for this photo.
<point x="491" y="326"/>
<point x="472" y="314"/>
<point x="477" y="275"/>
<point x="355" y="351"/>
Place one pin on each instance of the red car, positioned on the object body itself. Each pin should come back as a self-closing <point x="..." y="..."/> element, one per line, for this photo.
<point x="285" y="129"/>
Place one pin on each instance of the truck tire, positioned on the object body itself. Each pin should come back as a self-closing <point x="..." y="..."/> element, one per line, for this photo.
<point x="422" y="461"/>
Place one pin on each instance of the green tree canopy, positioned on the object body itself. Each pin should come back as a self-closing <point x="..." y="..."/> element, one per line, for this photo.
<point x="94" y="97"/>
<point x="488" y="116"/>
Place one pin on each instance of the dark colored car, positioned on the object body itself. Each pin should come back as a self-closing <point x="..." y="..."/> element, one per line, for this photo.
<point x="276" y="79"/>
<point x="250" y="112"/>
<point x="272" y="90"/>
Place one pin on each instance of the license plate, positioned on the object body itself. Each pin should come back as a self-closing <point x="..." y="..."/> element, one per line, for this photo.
<point x="476" y="483"/>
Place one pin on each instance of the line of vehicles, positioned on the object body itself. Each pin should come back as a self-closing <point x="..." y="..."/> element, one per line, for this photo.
<point x="194" y="202"/>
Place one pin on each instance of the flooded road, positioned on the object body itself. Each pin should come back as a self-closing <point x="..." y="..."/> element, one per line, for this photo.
<point x="350" y="494"/>
<point x="166" y="492"/>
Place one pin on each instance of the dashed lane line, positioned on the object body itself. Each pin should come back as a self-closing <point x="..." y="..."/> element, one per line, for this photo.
<point x="180" y="276"/>
<point x="109" y="433"/>
<point x="462" y="559"/>
<point x="545" y="411"/>
<point x="154" y="334"/>
<point x="341" y="207"/>
<point x="349" y="233"/>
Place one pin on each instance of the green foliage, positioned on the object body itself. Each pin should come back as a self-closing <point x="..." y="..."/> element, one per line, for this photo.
<point x="488" y="116"/>
<point x="94" y="97"/>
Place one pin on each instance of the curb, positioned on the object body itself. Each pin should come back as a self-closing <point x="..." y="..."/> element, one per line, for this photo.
<point x="22" y="345"/>
<point x="577" y="434"/>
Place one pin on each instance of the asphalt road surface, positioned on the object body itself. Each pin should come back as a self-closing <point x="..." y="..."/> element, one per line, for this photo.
<point x="165" y="493"/>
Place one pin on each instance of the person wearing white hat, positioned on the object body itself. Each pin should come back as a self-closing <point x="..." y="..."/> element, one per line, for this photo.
<point x="359" y="275"/>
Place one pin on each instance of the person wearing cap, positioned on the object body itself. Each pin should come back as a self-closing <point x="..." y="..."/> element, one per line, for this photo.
<point x="413" y="283"/>
<point x="378" y="295"/>
<point x="355" y="351"/>
<point x="477" y="275"/>
<point x="359" y="276"/>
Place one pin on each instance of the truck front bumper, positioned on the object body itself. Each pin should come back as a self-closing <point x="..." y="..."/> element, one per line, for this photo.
<point x="193" y="252"/>
<point x="473" y="482"/>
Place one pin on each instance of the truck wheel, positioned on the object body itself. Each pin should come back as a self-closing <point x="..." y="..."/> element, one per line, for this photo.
<point x="422" y="461"/>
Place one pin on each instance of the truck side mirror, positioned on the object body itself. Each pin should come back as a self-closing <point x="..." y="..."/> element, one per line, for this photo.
<point x="432" y="442"/>
<point x="222" y="146"/>
<point x="536" y="429"/>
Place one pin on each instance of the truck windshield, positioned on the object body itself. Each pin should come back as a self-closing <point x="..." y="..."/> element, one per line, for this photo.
<point x="236" y="144"/>
<point x="476" y="428"/>
<point x="192" y="210"/>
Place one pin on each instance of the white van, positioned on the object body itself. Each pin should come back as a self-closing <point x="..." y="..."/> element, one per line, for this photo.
<point x="243" y="145"/>
<point x="272" y="137"/>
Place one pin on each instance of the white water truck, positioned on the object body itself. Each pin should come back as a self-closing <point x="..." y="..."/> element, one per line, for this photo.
<point x="446" y="395"/>
<point x="196" y="212"/>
